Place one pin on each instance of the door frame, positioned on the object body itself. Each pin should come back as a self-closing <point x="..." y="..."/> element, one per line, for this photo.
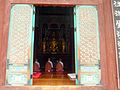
<point x="102" y="16"/>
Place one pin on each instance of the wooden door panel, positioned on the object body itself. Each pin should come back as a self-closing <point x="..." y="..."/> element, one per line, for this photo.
<point x="19" y="53"/>
<point x="87" y="46"/>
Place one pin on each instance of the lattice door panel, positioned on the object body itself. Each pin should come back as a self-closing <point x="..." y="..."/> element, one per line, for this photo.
<point x="19" y="45"/>
<point x="88" y="51"/>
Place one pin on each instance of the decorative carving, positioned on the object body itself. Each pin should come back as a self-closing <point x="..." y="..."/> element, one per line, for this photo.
<point x="88" y="49"/>
<point x="19" y="47"/>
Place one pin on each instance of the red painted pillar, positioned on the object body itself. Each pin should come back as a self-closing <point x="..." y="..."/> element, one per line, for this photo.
<point x="2" y="13"/>
<point x="110" y="46"/>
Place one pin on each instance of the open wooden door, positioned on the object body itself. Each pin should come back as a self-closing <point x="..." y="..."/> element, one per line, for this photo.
<point x="20" y="45"/>
<point x="87" y="49"/>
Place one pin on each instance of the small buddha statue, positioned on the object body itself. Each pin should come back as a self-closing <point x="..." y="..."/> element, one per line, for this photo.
<point x="63" y="46"/>
<point x="44" y="45"/>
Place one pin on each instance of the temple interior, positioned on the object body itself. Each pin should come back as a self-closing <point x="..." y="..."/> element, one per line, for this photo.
<point x="54" y="39"/>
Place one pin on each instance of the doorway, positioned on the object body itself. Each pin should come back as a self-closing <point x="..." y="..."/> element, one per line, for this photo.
<point x="53" y="44"/>
<point x="54" y="39"/>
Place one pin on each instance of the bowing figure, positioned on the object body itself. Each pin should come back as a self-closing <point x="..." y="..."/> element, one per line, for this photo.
<point x="59" y="66"/>
<point x="49" y="66"/>
<point x="36" y="66"/>
<point x="36" y="69"/>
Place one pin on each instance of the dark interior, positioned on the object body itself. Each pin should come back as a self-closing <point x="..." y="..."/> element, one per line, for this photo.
<point x="54" y="36"/>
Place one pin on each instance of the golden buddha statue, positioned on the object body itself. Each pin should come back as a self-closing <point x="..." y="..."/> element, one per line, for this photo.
<point x="53" y="45"/>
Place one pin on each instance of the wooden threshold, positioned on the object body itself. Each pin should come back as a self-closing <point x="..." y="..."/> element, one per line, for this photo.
<point x="68" y="87"/>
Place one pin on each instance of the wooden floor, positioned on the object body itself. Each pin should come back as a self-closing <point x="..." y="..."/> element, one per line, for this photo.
<point x="53" y="79"/>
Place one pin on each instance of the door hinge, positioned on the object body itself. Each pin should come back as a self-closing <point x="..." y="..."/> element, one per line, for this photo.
<point x="7" y="63"/>
<point x="76" y="76"/>
<point x="31" y="76"/>
<point x="75" y="29"/>
<point x="33" y="28"/>
<point x="74" y="13"/>
<point x="34" y="12"/>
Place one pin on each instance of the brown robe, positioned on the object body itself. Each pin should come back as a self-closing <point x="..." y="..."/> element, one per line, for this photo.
<point x="48" y="67"/>
<point x="36" y="67"/>
<point x="59" y="67"/>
